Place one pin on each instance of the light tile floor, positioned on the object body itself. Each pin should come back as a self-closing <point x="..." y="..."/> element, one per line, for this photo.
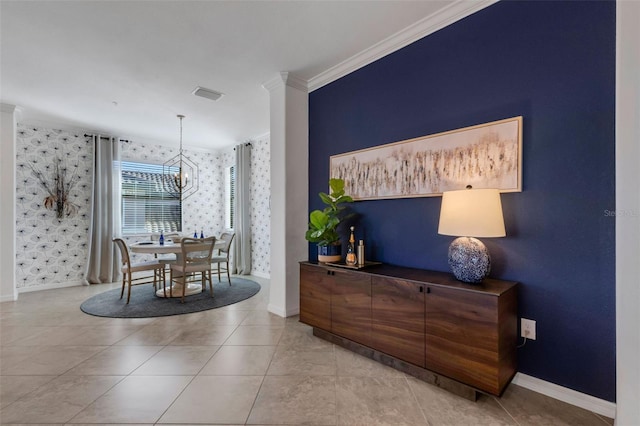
<point x="233" y="365"/>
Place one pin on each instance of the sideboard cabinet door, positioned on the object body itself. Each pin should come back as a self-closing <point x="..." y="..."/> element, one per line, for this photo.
<point x="397" y="318"/>
<point x="351" y="305"/>
<point x="315" y="296"/>
<point x="423" y="319"/>
<point x="463" y="337"/>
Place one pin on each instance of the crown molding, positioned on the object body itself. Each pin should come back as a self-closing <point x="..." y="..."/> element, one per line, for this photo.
<point x="430" y="24"/>
<point x="10" y="108"/>
<point x="286" y="79"/>
<point x="263" y="137"/>
<point x="61" y="125"/>
<point x="275" y="82"/>
<point x="297" y="82"/>
<point x="71" y="128"/>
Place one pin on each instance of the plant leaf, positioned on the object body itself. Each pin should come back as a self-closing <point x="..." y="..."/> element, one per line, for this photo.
<point x="318" y="219"/>
<point x="343" y="199"/>
<point x="326" y="198"/>
<point x="310" y="237"/>
<point x="323" y="223"/>
<point x="336" y="185"/>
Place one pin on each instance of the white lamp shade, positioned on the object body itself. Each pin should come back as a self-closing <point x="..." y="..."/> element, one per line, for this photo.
<point x="471" y="213"/>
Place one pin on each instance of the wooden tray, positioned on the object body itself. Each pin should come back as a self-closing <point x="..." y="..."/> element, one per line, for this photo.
<point x="344" y="265"/>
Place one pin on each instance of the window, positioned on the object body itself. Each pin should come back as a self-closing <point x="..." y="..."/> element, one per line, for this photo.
<point x="146" y="205"/>
<point x="229" y="196"/>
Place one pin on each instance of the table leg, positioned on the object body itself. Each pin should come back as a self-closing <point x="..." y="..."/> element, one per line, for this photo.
<point x="176" y="289"/>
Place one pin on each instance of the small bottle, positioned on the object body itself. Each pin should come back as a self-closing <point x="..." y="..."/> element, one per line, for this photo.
<point x="201" y="234"/>
<point x="161" y="239"/>
<point x="195" y="234"/>
<point x="351" y="252"/>
<point x="361" y="253"/>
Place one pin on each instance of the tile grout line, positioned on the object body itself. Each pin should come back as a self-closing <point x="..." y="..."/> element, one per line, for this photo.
<point x="163" y="347"/>
<point x="124" y="377"/>
<point x="264" y="376"/>
<point x="415" y="398"/>
<point x="284" y="342"/>
<point x="192" y="378"/>
<point x="497" y="400"/>
<point x="253" y="404"/>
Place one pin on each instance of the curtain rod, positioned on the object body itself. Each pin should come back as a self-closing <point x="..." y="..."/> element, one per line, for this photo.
<point x="86" y="135"/>
<point x="245" y="144"/>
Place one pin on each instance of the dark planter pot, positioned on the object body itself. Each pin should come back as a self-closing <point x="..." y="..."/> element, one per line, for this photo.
<point x="330" y="253"/>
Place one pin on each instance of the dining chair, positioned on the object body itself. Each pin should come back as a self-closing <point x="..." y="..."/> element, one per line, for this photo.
<point x="223" y="254"/>
<point x="128" y="269"/>
<point x="196" y="257"/>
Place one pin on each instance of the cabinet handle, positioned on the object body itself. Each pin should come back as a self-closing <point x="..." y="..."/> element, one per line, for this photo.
<point x="428" y="290"/>
<point x="421" y="289"/>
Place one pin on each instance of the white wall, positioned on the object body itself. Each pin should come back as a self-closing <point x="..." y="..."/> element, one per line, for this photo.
<point x="8" y="291"/>
<point x="289" y="124"/>
<point x="628" y="213"/>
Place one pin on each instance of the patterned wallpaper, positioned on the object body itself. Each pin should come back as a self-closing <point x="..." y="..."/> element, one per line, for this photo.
<point x="260" y="191"/>
<point x="52" y="251"/>
<point x="49" y="250"/>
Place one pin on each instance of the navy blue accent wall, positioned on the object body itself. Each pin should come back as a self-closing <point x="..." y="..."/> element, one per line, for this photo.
<point x="554" y="64"/>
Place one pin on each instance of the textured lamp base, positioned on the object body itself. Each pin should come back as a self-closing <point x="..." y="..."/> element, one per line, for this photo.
<point x="469" y="259"/>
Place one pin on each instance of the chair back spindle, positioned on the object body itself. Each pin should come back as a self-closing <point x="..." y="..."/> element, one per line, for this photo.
<point x="223" y="254"/>
<point x="196" y="258"/>
<point x="128" y="269"/>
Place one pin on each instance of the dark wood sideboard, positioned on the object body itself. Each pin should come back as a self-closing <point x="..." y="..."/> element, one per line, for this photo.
<point x="459" y="336"/>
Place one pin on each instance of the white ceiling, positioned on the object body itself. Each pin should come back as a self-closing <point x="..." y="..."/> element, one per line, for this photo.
<point x="127" y="68"/>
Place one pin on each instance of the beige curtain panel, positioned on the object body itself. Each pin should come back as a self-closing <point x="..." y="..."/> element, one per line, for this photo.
<point x="102" y="264"/>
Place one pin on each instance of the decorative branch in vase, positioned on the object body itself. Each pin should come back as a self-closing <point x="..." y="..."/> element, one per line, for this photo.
<point x="59" y="188"/>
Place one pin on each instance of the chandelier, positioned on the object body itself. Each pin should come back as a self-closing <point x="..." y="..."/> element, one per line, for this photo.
<point x="180" y="174"/>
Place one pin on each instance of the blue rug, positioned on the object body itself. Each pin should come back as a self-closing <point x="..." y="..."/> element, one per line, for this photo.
<point x="144" y="303"/>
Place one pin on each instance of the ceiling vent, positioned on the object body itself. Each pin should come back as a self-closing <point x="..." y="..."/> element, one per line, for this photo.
<point x="207" y="93"/>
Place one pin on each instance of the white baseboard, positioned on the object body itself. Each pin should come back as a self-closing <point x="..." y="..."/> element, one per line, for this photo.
<point x="282" y="312"/>
<point x="276" y="310"/>
<point x="570" y="396"/>
<point x="50" y="286"/>
<point x="265" y="275"/>
<point x="8" y="298"/>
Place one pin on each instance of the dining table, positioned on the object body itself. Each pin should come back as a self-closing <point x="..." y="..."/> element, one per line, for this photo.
<point x="171" y="247"/>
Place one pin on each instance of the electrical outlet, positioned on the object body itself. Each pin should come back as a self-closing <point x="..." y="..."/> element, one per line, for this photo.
<point x="528" y="328"/>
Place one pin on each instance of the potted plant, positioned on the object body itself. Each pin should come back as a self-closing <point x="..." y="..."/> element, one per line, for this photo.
<point x="323" y="224"/>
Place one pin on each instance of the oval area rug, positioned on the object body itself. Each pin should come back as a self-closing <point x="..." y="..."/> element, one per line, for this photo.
<point x="145" y="304"/>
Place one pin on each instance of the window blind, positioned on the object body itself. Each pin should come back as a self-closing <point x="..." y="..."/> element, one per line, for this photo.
<point x="146" y="206"/>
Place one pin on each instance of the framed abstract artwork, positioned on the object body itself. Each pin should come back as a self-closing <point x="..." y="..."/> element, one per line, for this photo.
<point x="484" y="156"/>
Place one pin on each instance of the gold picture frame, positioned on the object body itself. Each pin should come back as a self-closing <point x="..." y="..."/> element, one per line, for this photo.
<point x="484" y="156"/>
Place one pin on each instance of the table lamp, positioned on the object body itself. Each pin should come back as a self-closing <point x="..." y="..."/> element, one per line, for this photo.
<point x="466" y="214"/>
